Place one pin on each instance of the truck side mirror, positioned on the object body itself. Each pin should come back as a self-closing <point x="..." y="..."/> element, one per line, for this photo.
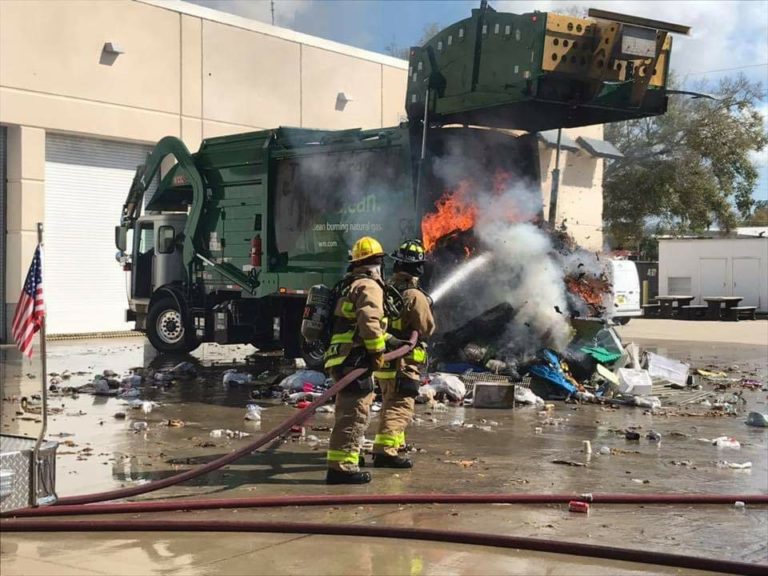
<point x="121" y="235"/>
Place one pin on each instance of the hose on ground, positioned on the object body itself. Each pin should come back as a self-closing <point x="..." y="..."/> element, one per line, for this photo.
<point x="374" y="499"/>
<point x="455" y="537"/>
<point x="299" y="417"/>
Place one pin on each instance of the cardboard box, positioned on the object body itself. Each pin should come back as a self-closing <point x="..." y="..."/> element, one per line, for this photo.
<point x="494" y="395"/>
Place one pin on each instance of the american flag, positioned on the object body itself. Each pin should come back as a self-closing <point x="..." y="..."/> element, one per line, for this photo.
<point x="31" y="308"/>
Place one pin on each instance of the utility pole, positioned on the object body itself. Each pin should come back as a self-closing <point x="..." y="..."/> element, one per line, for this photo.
<point x="272" y="9"/>
<point x="555" y="183"/>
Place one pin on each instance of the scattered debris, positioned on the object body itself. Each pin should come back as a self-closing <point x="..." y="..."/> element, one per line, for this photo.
<point x="651" y="402"/>
<point x="578" y="506"/>
<point x="757" y="419"/>
<point x="184" y="370"/>
<point x="253" y="412"/>
<point x="726" y="442"/>
<point x="636" y="382"/>
<point x="666" y="369"/>
<point x="569" y="463"/>
<point x="296" y="382"/>
<point x="444" y="384"/>
<point x="653" y="436"/>
<point x="131" y="381"/>
<point x="734" y="465"/>
<point x="226" y="433"/>
<point x="463" y="463"/>
<point x="526" y="396"/>
<point x="234" y="378"/>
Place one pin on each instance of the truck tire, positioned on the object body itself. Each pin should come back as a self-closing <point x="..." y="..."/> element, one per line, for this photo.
<point x="313" y="355"/>
<point x="622" y="321"/>
<point x="167" y="329"/>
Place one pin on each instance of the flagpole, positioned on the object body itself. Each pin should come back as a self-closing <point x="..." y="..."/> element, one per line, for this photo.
<point x="35" y="469"/>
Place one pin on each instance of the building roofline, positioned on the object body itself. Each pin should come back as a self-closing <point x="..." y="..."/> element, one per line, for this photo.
<point x="276" y="31"/>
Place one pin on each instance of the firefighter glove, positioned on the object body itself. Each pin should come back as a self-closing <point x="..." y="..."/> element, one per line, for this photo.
<point x="395" y="343"/>
<point x="377" y="360"/>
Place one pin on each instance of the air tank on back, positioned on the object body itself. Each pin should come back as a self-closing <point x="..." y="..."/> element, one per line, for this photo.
<point x="315" y="323"/>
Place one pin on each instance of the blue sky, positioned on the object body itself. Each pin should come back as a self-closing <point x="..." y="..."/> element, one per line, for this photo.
<point x="727" y="37"/>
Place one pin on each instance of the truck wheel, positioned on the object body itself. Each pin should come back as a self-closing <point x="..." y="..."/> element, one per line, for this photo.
<point x="166" y="328"/>
<point x="623" y="321"/>
<point x="313" y="355"/>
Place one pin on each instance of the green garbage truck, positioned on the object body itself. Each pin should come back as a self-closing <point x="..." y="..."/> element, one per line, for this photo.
<point x="226" y="247"/>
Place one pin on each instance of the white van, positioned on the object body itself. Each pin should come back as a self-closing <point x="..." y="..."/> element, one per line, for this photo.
<point x="626" y="291"/>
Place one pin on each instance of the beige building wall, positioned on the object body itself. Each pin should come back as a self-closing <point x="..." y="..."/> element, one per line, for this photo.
<point x="580" y="195"/>
<point x="186" y="71"/>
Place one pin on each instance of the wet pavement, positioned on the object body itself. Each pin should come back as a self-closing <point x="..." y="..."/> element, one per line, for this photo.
<point x="99" y="452"/>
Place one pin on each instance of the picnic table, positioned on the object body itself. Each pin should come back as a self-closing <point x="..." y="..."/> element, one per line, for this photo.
<point x="667" y="304"/>
<point x="715" y="305"/>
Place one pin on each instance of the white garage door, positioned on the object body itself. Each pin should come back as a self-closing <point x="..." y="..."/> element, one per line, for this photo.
<point x="86" y="182"/>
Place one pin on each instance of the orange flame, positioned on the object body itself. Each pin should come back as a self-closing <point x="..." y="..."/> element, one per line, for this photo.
<point x="455" y="212"/>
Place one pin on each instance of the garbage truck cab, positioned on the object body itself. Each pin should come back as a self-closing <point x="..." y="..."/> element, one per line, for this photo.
<point x="155" y="261"/>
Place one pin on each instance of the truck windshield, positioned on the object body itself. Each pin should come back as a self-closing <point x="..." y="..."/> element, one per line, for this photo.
<point x="324" y="202"/>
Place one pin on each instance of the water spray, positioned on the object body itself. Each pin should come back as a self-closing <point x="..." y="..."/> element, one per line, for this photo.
<point x="460" y="274"/>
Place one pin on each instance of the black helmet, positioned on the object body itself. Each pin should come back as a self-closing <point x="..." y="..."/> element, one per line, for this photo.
<point x="410" y="252"/>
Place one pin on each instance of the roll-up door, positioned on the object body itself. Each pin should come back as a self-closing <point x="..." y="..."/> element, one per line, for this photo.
<point x="86" y="182"/>
<point x="3" y="232"/>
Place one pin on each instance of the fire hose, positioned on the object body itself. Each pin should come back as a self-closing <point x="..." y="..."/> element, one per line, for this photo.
<point x="378" y="499"/>
<point x="398" y="532"/>
<point x="76" y="505"/>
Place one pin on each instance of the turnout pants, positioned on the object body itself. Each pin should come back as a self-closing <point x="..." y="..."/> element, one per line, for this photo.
<point x="395" y="416"/>
<point x="353" y="405"/>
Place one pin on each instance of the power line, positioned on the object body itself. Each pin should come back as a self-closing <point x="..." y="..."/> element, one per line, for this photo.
<point x="725" y="69"/>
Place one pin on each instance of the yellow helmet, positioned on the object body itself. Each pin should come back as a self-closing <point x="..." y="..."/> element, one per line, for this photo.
<point x="365" y="248"/>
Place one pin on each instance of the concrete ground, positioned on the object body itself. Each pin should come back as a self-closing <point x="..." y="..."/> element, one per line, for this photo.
<point x="99" y="452"/>
<point x="749" y="332"/>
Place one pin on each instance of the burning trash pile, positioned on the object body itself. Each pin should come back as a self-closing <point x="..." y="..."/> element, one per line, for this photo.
<point x="516" y="300"/>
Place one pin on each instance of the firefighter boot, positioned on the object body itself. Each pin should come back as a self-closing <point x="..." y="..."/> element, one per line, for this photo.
<point x="339" y="477"/>
<point x="387" y="461"/>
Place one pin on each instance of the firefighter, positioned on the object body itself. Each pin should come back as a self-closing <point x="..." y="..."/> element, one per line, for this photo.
<point x="358" y="339"/>
<point x="399" y="380"/>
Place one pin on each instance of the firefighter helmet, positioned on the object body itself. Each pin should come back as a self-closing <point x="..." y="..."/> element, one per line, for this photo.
<point x="365" y="248"/>
<point x="410" y="252"/>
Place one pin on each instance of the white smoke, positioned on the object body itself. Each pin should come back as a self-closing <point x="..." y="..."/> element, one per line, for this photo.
<point x="524" y="270"/>
<point x="530" y="279"/>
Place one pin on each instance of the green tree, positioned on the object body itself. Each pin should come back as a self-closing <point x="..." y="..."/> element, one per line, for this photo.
<point x="687" y="169"/>
<point x="759" y="216"/>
